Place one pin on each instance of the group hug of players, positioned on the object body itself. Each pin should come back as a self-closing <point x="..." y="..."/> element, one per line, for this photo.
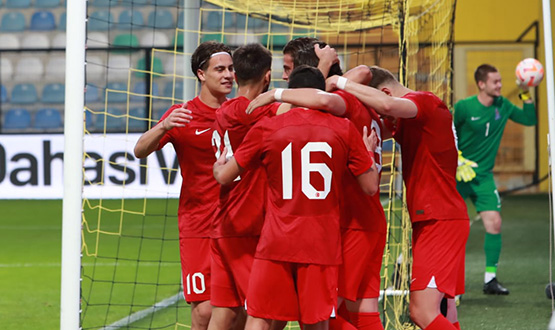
<point x="279" y="211"/>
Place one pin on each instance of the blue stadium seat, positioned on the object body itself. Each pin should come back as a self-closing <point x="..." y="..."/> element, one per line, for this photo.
<point x="116" y="97"/>
<point x="62" y="22"/>
<point x="138" y="119"/>
<point x="130" y="19"/>
<point x="176" y="89"/>
<point x="91" y="94"/>
<point x="43" y="21"/>
<point x="141" y="88"/>
<point x="18" y="3"/>
<point x="17" y="119"/>
<point x="12" y="21"/>
<point x="168" y="3"/>
<point x="48" y="118"/>
<point x="114" y="120"/>
<point x="47" y="3"/>
<point x="101" y="20"/>
<point x="3" y="94"/>
<point x="160" y="19"/>
<point x="104" y="3"/>
<point x="134" y="3"/>
<point x="53" y="93"/>
<point x="24" y="94"/>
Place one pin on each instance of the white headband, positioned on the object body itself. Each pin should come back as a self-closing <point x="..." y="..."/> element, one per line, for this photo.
<point x="215" y="54"/>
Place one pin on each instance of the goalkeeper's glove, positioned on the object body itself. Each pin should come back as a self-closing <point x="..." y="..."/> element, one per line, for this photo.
<point x="465" y="171"/>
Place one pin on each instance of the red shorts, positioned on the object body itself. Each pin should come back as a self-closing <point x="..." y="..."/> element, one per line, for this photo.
<point x="232" y="259"/>
<point x="195" y="268"/>
<point x="438" y="249"/>
<point x="359" y="275"/>
<point x="288" y="291"/>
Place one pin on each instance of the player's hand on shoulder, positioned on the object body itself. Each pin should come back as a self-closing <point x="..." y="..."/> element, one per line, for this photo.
<point x="261" y="100"/>
<point x="179" y="117"/>
<point x="370" y="139"/>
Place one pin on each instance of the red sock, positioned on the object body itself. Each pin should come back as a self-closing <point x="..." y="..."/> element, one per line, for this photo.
<point x="339" y="323"/>
<point x="366" y="321"/>
<point x="457" y="325"/>
<point x="440" y="323"/>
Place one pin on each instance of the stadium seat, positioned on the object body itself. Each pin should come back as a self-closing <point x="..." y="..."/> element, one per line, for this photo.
<point x="97" y="40"/>
<point x="6" y="69"/>
<point x="175" y="65"/>
<point x="130" y="20"/>
<point x="212" y="21"/>
<point x="53" y="93"/>
<point x="104" y="3"/>
<point x="35" y="41"/>
<point x="9" y="41"/>
<point x="157" y="68"/>
<point x="56" y="68"/>
<point x="216" y="36"/>
<point x="3" y="94"/>
<point x="29" y="69"/>
<point x="91" y="94"/>
<point x="141" y="88"/>
<point x="43" y="21"/>
<point x="168" y="3"/>
<point x="18" y="3"/>
<point x="114" y="121"/>
<point x="95" y="68"/>
<point x="242" y="39"/>
<point x="178" y="41"/>
<point x="134" y="3"/>
<point x="175" y="88"/>
<point x="181" y="20"/>
<point x="12" y="21"/>
<point x="124" y="42"/>
<point x="17" y="119"/>
<point x="274" y="40"/>
<point x="47" y="3"/>
<point x="62" y="22"/>
<point x="138" y="119"/>
<point x="154" y="39"/>
<point x="160" y="19"/>
<point x="101" y="20"/>
<point x="59" y="40"/>
<point x="118" y="68"/>
<point x="48" y="119"/>
<point x="24" y="94"/>
<point x="253" y="23"/>
<point x="112" y="92"/>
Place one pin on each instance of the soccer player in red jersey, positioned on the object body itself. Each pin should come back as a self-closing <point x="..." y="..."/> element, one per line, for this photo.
<point x="236" y="227"/>
<point x="423" y="128"/>
<point x="304" y="154"/>
<point x="189" y="128"/>
<point x="363" y="223"/>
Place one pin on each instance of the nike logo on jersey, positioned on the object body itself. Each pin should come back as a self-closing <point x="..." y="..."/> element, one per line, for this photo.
<point x="197" y="132"/>
<point x="474" y="118"/>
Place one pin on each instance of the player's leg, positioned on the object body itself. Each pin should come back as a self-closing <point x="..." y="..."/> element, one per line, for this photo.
<point x="256" y="323"/>
<point x="225" y="318"/>
<point x="488" y="204"/>
<point x="195" y="267"/>
<point x="322" y="325"/>
<point x="316" y="287"/>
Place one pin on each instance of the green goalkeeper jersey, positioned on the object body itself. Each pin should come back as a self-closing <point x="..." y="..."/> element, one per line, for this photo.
<point x="479" y="128"/>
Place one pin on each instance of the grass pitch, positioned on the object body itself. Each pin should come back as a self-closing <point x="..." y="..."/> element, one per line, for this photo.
<point x="30" y="241"/>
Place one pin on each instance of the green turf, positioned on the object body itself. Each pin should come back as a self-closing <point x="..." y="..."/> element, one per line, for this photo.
<point x="30" y="241"/>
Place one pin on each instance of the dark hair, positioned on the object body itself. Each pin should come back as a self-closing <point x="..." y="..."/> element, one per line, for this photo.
<point x="305" y="76"/>
<point x="251" y="62"/>
<point x="481" y="73"/>
<point x="203" y="53"/>
<point x="302" y="52"/>
<point x="380" y="76"/>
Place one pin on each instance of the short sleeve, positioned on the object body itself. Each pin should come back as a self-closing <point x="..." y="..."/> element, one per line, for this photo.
<point x="359" y="160"/>
<point x="168" y="136"/>
<point x="249" y="152"/>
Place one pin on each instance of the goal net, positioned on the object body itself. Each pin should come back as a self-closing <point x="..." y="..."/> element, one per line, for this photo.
<point x="137" y="66"/>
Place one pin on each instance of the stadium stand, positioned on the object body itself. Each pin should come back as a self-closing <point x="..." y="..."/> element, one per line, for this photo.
<point x="47" y="3"/>
<point x="56" y="68"/>
<point x="53" y="93"/>
<point x="35" y="40"/>
<point x="91" y="94"/>
<point x="24" y="93"/>
<point x="130" y="19"/>
<point x="13" y="21"/>
<point x="9" y="41"/>
<point x="160" y="19"/>
<point x="17" y="118"/>
<point x="29" y="69"/>
<point x="113" y="96"/>
<point x="18" y="4"/>
<point x="6" y="69"/>
<point x="47" y="119"/>
<point x="59" y="40"/>
<point x="97" y="40"/>
<point x="62" y="21"/>
<point x="101" y="20"/>
<point x="154" y="39"/>
<point x="43" y="21"/>
<point x="142" y="89"/>
<point x="3" y="94"/>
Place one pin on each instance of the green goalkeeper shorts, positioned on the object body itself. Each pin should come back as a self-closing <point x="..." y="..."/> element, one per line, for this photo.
<point x="482" y="192"/>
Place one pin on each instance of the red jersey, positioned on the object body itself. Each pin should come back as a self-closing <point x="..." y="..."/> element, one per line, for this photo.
<point x="304" y="153"/>
<point x="241" y="204"/>
<point x="199" y="190"/>
<point x="429" y="158"/>
<point x="361" y="211"/>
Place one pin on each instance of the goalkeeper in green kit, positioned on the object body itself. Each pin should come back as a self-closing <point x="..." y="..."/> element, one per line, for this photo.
<point x="479" y="122"/>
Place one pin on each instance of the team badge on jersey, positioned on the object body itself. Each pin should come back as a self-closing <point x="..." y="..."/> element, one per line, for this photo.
<point x="497" y="115"/>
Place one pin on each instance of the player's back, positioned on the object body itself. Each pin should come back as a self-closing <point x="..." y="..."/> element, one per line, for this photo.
<point x="241" y="203"/>
<point x="305" y="153"/>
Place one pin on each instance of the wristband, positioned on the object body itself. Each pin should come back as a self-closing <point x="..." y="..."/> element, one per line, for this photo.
<point x="277" y="94"/>
<point x="341" y="82"/>
<point x="525" y="96"/>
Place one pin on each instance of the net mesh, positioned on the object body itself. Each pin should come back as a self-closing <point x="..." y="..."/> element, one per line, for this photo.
<point x="137" y="67"/>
